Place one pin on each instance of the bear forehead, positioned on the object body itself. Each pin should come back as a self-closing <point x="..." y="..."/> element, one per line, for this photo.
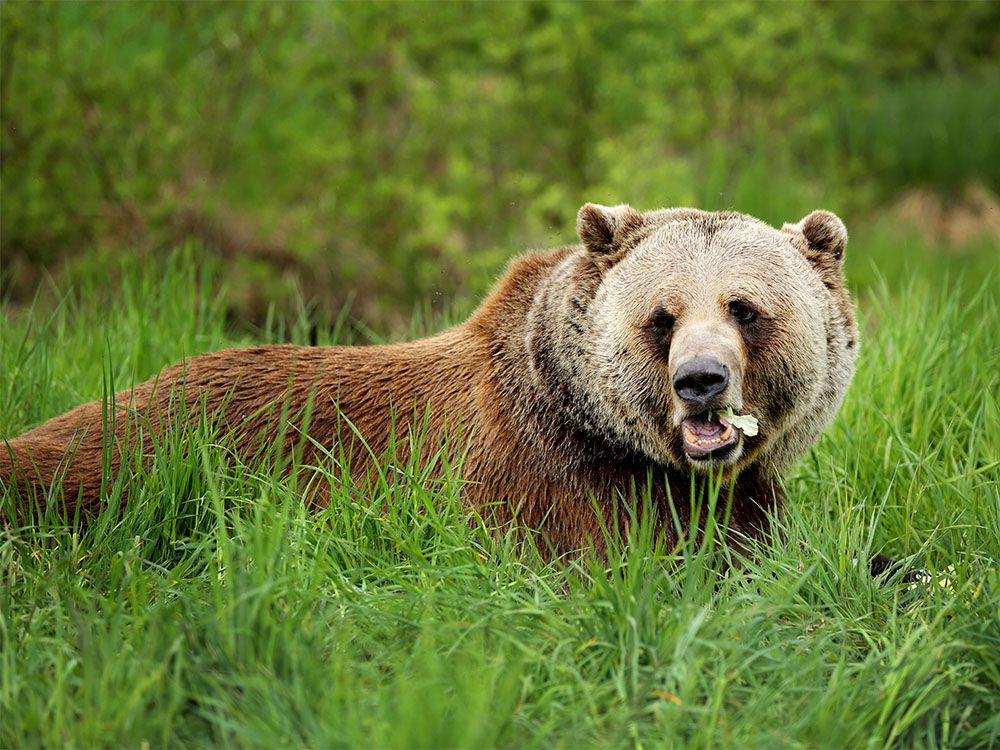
<point x="720" y="249"/>
<point x="704" y="260"/>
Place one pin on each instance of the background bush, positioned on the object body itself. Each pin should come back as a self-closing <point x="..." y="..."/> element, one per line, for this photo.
<point x="392" y="153"/>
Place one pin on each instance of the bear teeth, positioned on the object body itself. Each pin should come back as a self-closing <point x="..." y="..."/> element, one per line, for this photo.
<point x="692" y="438"/>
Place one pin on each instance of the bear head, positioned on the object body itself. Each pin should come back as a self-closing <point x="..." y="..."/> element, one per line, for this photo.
<point x="670" y="320"/>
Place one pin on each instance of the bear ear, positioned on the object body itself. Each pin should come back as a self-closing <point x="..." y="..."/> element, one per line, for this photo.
<point x="822" y="237"/>
<point x="604" y="229"/>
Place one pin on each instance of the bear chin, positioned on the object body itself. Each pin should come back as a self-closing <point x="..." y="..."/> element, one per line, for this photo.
<point x="727" y="457"/>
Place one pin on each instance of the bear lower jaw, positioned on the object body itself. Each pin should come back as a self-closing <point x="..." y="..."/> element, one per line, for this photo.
<point x="727" y="459"/>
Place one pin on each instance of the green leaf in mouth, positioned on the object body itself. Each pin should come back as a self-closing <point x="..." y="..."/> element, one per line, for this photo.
<point x="745" y="423"/>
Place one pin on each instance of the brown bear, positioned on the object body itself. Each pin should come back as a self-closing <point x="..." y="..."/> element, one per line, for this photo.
<point x="588" y="372"/>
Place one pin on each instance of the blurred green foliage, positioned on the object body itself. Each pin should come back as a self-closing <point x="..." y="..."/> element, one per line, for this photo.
<point x="395" y="150"/>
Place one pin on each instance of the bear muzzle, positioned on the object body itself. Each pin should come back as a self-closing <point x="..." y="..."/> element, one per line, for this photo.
<point x="701" y="385"/>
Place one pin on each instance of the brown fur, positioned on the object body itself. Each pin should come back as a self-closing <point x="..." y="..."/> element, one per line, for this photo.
<point x="557" y="386"/>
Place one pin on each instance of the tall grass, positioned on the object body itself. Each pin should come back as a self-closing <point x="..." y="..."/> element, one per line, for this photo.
<point x="215" y="609"/>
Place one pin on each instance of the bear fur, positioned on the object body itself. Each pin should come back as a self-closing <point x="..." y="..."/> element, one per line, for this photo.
<point x="562" y="383"/>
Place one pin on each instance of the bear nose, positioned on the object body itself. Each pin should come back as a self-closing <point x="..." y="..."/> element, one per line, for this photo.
<point x="697" y="381"/>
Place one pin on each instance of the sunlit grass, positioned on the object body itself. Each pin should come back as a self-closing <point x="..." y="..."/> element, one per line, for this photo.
<point x="216" y="610"/>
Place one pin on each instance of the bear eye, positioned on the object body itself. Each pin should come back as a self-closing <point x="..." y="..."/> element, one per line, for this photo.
<point x="661" y="320"/>
<point x="744" y="312"/>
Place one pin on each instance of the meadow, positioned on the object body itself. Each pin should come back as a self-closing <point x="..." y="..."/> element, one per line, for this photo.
<point x="178" y="177"/>
<point x="215" y="611"/>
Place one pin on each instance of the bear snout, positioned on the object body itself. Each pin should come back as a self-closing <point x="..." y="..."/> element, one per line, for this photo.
<point x="698" y="381"/>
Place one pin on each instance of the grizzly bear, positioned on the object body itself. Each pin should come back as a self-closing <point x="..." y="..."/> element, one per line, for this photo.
<point x="589" y="372"/>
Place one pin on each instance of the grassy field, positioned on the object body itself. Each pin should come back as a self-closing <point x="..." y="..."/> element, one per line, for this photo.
<point x="216" y="611"/>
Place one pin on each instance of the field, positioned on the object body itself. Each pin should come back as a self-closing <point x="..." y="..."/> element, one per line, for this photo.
<point x="216" y="611"/>
<point x="177" y="177"/>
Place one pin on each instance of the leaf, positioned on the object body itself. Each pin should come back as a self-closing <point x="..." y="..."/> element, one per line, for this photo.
<point x="745" y="423"/>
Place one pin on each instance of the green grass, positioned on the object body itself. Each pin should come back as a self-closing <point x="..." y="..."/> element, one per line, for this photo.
<point x="216" y="611"/>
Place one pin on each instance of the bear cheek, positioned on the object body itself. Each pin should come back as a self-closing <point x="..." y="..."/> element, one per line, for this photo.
<point x="781" y="378"/>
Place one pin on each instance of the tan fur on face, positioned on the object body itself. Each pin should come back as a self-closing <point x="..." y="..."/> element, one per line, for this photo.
<point x="692" y="264"/>
<point x="562" y="391"/>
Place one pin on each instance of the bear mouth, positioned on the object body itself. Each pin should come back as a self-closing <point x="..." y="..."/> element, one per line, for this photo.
<point x="708" y="436"/>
